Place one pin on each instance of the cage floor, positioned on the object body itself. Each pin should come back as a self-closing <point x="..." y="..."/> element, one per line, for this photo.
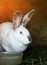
<point x="35" y="56"/>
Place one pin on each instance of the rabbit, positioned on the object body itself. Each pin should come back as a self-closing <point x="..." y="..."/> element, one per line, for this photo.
<point x="14" y="36"/>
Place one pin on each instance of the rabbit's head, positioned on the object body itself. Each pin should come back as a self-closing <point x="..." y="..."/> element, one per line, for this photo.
<point x="21" y="32"/>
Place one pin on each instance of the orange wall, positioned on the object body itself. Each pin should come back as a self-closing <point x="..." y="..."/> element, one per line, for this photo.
<point x="7" y="7"/>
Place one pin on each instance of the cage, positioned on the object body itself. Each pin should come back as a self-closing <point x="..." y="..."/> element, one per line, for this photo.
<point x="36" y="54"/>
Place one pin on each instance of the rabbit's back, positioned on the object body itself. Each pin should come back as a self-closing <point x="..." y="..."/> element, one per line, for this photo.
<point x="5" y="28"/>
<point x="6" y="25"/>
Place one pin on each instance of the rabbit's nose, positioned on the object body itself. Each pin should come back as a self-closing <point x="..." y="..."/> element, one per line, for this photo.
<point x="29" y="37"/>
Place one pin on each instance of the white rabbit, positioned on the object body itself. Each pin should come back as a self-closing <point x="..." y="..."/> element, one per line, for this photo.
<point x="14" y="37"/>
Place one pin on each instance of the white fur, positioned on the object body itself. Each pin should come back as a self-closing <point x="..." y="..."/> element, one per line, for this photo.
<point x="11" y="39"/>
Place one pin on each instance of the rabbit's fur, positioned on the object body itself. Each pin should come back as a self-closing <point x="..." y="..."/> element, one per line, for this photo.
<point x="14" y="37"/>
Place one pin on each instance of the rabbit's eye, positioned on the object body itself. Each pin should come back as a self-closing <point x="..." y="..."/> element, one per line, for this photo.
<point x="21" y="32"/>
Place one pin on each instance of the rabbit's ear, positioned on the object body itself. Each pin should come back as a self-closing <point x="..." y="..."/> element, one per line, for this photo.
<point x="17" y="17"/>
<point x="28" y="17"/>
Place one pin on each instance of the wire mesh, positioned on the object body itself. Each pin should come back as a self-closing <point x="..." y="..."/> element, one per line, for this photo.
<point x="35" y="56"/>
<point x="39" y="61"/>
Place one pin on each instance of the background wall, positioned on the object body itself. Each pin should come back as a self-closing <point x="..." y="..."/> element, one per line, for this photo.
<point x="7" y="7"/>
<point x="38" y="26"/>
